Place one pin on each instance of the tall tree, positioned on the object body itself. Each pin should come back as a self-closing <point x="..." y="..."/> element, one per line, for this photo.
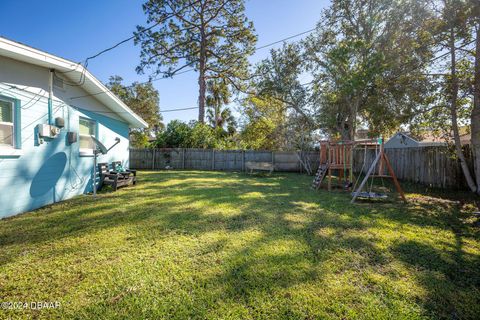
<point x="144" y="100"/>
<point x="454" y="108"/>
<point x="454" y="29"/>
<point x="263" y="124"/>
<point x="368" y="61"/>
<point x="278" y="112"/>
<point x="451" y="109"/>
<point x="217" y="115"/>
<point x="474" y="22"/>
<point x="277" y="77"/>
<point x="212" y="36"/>
<point x="175" y="135"/>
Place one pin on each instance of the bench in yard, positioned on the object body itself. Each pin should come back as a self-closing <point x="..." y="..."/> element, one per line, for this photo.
<point x="113" y="178"/>
<point x="260" y="166"/>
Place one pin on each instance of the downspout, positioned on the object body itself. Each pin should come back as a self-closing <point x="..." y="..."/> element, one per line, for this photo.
<point x="50" y="97"/>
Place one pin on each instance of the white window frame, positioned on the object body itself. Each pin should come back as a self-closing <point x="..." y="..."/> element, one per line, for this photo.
<point x="12" y="124"/>
<point x="86" y="151"/>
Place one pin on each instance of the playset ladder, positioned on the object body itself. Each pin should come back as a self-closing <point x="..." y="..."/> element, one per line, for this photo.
<point x="322" y="170"/>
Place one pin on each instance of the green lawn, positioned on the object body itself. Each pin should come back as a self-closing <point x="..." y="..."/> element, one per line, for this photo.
<point x="225" y="245"/>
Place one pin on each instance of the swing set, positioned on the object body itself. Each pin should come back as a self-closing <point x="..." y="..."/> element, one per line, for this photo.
<point x="376" y="170"/>
<point x="337" y="157"/>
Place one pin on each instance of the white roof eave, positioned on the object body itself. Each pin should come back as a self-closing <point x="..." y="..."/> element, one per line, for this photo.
<point x="91" y="85"/>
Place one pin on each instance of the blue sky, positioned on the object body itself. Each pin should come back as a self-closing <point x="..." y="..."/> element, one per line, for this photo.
<point x="77" y="29"/>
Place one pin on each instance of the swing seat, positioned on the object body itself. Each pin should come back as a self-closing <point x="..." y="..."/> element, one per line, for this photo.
<point x="370" y="195"/>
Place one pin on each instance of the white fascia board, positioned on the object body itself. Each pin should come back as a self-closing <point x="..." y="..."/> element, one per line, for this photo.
<point x="18" y="51"/>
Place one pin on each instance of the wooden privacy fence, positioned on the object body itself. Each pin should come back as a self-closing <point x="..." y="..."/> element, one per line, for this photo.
<point x="432" y="166"/>
<point x="208" y="159"/>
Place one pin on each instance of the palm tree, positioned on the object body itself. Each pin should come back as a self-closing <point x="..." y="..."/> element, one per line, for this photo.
<point x="219" y="95"/>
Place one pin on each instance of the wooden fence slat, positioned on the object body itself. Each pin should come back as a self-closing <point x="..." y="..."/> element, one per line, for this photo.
<point x="432" y="166"/>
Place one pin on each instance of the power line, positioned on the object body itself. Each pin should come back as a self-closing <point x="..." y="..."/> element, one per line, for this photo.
<point x="85" y="63"/>
<point x="181" y="109"/>
<point x="236" y="100"/>
<point x="313" y="81"/>
<point x="196" y="107"/>
<point x="192" y="69"/>
<point x="127" y="87"/>
<point x="435" y="59"/>
<point x="285" y="39"/>
<point x="139" y="32"/>
<point x="39" y="95"/>
<point x="24" y="105"/>
<point x="121" y="42"/>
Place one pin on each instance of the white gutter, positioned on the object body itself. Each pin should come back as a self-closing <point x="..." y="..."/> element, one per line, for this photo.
<point x="21" y="52"/>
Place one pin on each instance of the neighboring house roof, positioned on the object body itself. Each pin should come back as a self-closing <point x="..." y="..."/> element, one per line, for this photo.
<point x="401" y="140"/>
<point x="404" y="140"/>
<point x="76" y="73"/>
<point x="429" y="137"/>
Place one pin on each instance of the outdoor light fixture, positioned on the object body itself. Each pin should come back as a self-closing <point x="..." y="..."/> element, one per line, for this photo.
<point x="99" y="149"/>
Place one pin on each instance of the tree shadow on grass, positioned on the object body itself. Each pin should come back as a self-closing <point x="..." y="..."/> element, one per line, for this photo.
<point x="450" y="277"/>
<point x="300" y="231"/>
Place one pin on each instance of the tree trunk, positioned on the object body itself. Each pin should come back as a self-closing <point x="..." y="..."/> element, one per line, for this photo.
<point x="201" y="77"/>
<point x="353" y="118"/>
<point x="475" y="117"/>
<point x="202" y="89"/>
<point x="342" y="128"/>
<point x="453" y="113"/>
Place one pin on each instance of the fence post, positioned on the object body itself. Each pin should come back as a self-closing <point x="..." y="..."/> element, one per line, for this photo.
<point x="410" y="164"/>
<point x="300" y="167"/>
<point x="213" y="159"/>
<point x="243" y="160"/>
<point x="273" y="160"/>
<point x="183" y="158"/>
<point x="153" y="160"/>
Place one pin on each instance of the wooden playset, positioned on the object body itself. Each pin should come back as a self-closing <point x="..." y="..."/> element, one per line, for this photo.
<point x="336" y="160"/>
<point x="335" y="157"/>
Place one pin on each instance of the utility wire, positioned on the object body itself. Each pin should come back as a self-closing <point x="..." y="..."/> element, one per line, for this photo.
<point x="15" y="94"/>
<point x="311" y="82"/>
<point x="196" y="107"/>
<point x="285" y="39"/>
<point x="192" y="69"/>
<point x="85" y="63"/>
<point x="186" y="108"/>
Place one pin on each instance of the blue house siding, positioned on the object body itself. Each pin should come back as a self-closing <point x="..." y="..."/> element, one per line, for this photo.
<point x="55" y="170"/>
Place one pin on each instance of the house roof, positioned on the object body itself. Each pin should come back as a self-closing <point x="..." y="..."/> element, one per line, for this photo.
<point x="429" y="139"/>
<point x="76" y="73"/>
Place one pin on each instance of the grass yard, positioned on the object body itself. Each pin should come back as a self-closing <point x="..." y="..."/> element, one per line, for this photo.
<point x="225" y="245"/>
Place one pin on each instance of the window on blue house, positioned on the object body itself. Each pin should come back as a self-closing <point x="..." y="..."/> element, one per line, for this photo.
<point x="7" y="130"/>
<point x="10" y="126"/>
<point x="88" y="128"/>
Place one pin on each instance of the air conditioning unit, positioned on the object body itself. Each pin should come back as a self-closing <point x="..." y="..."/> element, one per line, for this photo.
<point x="47" y="131"/>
